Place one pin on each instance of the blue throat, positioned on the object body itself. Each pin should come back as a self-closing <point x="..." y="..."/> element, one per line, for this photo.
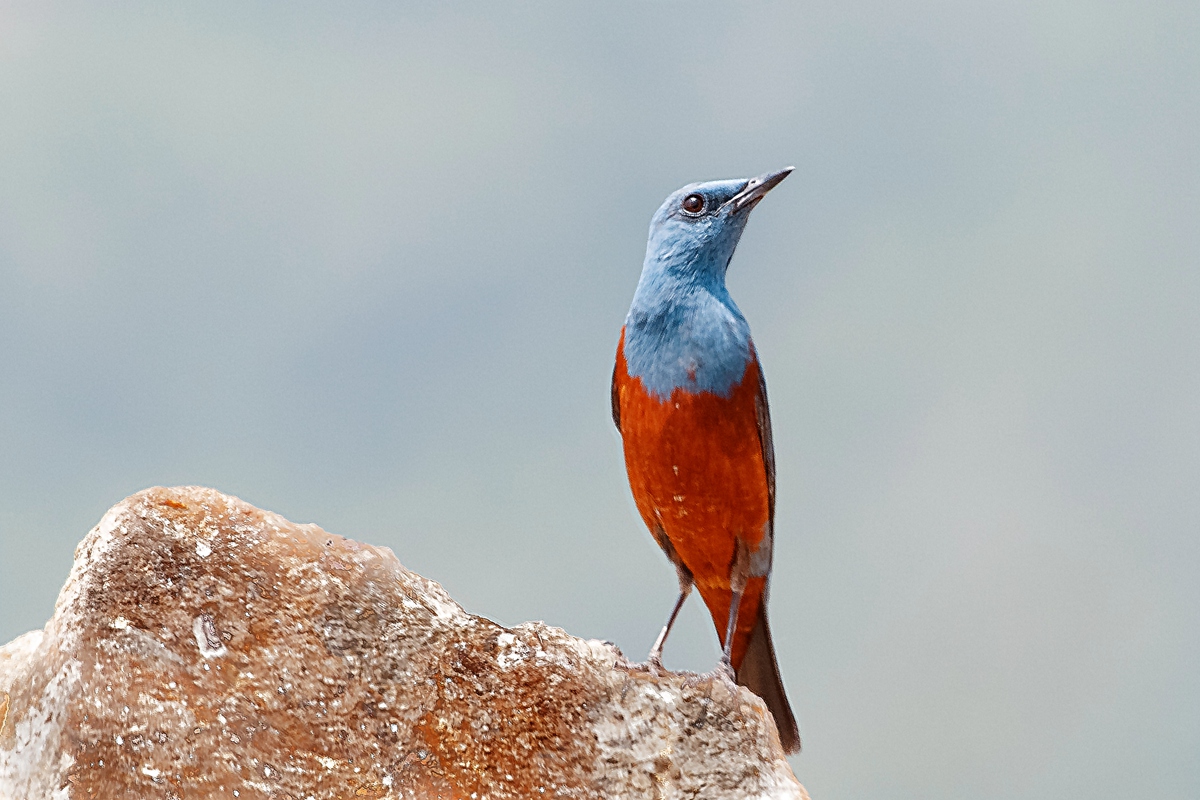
<point x="685" y="335"/>
<point x="683" y="330"/>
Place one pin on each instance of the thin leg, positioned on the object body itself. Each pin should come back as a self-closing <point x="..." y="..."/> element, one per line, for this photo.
<point x="655" y="657"/>
<point x="726" y="665"/>
<point x="738" y="576"/>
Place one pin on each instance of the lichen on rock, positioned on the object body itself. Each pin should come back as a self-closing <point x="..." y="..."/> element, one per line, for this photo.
<point x="203" y="648"/>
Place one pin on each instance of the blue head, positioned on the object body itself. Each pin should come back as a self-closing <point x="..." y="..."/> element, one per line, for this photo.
<point x="695" y="231"/>
<point x="683" y="329"/>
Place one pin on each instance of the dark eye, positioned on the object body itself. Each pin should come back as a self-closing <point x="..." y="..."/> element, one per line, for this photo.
<point x="693" y="203"/>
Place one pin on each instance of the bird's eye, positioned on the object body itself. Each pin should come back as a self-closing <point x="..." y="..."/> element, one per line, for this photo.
<point x="693" y="203"/>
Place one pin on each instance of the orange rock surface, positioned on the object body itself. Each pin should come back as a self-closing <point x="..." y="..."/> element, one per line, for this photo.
<point x="203" y="648"/>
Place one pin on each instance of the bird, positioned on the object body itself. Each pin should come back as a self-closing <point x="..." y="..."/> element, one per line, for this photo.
<point x="690" y="403"/>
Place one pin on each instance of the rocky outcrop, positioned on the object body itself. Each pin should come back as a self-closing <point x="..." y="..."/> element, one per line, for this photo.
<point x="203" y="648"/>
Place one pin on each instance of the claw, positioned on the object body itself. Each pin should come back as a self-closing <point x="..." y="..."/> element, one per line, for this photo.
<point x="724" y="672"/>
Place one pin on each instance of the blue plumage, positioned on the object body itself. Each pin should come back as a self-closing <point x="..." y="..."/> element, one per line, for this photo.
<point x="683" y="329"/>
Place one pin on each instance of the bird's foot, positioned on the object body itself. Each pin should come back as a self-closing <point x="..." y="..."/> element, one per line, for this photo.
<point x="654" y="664"/>
<point x="725" y="674"/>
<point x="621" y="662"/>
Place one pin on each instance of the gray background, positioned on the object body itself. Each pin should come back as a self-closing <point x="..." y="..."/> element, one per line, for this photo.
<point x="366" y="267"/>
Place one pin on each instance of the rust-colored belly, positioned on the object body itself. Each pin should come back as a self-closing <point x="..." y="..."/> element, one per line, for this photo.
<point x="696" y="469"/>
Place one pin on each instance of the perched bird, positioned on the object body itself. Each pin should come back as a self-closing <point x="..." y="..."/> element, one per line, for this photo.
<point x="690" y="402"/>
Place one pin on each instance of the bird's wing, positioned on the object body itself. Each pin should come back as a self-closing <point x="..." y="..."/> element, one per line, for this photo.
<point x="763" y="417"/>
<point x="616" y="399"/>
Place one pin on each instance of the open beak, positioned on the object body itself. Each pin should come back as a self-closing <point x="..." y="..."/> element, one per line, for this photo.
<point x="757" y="188"/>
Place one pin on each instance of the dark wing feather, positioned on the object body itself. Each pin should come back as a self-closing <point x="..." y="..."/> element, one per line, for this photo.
<point x="763" y="417"/>
<point x="616" y="404"/>
<point x="759" y="670"/>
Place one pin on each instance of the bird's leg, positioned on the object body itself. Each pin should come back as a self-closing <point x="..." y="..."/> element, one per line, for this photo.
<point x="654" y="660"/>
<point x="725" y="667"/>
<point x="739" y="574"/>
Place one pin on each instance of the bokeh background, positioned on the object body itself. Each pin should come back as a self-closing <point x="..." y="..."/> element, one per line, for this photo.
<point x="365" y="265"/>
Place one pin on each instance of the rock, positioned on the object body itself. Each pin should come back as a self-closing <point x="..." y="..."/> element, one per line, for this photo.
<point x="203" y="648"/>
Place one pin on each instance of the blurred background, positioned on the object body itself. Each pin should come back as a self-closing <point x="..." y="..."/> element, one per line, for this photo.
<point x="366" y="265"/>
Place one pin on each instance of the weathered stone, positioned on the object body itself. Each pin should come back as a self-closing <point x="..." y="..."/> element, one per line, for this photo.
<point x="202" y="648"/>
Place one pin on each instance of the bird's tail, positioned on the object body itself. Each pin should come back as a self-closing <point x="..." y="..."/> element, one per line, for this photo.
<point x="759" y="672"/>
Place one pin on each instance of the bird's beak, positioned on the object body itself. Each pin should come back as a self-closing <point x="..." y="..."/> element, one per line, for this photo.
<point x="757" y="188"/>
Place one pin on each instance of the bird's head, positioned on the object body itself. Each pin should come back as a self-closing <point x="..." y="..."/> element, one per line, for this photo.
<point x="696" y="230"/>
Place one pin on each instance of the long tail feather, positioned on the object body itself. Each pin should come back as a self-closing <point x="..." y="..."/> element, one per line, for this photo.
<point x="759" y="672"/>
